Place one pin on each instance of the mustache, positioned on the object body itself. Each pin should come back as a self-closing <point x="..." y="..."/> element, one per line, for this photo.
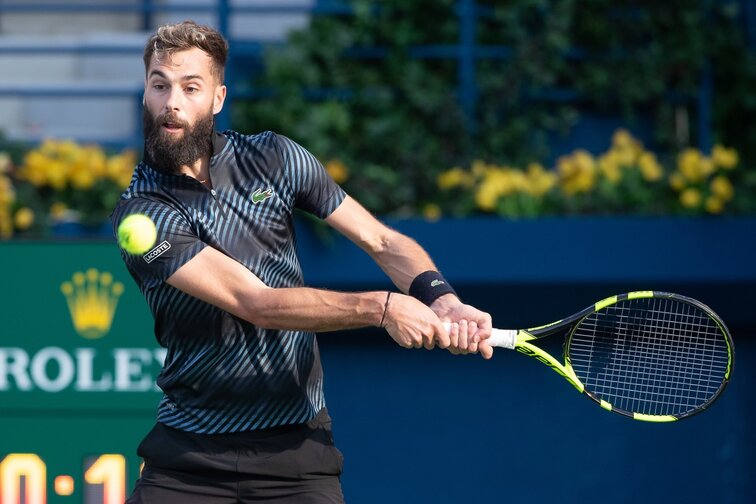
<point x="172" y="119"/>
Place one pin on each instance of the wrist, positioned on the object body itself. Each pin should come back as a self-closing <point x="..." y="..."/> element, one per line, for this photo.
<point x="384" y="317"/>
<point x="444" y="304"/>
<point x="430" y="286"/>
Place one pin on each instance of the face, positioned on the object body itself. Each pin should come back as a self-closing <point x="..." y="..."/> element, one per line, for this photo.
<point x="181" y="96"/>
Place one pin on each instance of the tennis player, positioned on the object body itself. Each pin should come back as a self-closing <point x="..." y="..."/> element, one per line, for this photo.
<point x="243" y="416"/>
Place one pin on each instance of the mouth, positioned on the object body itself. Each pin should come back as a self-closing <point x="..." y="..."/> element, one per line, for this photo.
<point x="172" y="127"/>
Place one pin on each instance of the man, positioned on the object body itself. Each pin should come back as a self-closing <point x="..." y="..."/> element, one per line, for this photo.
<point x="243" y="417"/>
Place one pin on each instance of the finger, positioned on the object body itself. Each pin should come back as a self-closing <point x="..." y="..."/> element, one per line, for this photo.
<point x="417" y="341"/>
<point x="429" y="338"/>
<point x="454" y="336"/>
<point x="485" y="326"/>
<point x="428" y="342"/>
<point x="441" y="337"/>
<point x="486" y="350"/>
<point x="472" y="329"/>
<point x="463" y="336"/>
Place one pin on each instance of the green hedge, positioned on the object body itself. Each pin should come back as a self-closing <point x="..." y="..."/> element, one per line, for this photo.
<point x="349" y="88"/>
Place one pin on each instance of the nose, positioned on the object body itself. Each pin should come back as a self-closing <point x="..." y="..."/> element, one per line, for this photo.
<point x="173" y="101"/>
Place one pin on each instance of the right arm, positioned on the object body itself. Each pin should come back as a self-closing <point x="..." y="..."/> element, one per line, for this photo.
<point x="402" y="259"/>
<point x="219" y="280"/>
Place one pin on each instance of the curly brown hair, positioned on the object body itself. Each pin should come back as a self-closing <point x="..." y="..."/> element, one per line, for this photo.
<point x="171" y="38"/>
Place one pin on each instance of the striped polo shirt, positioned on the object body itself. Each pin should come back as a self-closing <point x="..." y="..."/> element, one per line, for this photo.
<point x="222" y="374"/>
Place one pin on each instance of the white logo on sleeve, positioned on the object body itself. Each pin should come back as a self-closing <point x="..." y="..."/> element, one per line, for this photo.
<point x="157" y="252"/>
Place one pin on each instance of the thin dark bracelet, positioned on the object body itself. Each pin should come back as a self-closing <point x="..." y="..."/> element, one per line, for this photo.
<point x="385" y="309"/>
<point x="429" y="286"/>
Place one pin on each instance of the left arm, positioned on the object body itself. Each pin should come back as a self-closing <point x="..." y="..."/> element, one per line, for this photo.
<point x="402" y="259"/>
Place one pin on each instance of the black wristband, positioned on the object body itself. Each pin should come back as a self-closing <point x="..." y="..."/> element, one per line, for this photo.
<point x="429" y="286"/>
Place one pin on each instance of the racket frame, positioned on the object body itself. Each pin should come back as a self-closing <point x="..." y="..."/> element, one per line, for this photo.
<point x="520" y="340"/>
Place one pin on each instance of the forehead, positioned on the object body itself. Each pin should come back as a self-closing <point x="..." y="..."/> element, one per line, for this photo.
<point x="192" y="61"/>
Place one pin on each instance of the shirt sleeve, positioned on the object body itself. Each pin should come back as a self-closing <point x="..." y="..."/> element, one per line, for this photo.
<point x="314" y="190"/>
<point x="175" y="245"/>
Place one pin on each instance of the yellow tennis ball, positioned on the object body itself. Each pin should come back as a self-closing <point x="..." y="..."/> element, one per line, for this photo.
<point x="137" y="234"/>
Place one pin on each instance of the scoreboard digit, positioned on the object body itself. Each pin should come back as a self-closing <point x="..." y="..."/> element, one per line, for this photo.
<point x="23" y="479"/>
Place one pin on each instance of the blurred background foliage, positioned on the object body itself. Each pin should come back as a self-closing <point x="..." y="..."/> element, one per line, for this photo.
<point x="57" y="182"/>
<point x="388" y="123"/>
<point x="577" y="107"/>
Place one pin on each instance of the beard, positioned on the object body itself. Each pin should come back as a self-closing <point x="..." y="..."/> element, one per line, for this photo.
<point x="167" y="153"/>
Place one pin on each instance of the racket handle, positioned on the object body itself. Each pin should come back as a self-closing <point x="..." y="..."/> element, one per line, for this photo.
<point x="502" y="338"/>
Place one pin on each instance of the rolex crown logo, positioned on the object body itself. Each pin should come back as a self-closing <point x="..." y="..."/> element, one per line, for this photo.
<point x="92" y="298"/>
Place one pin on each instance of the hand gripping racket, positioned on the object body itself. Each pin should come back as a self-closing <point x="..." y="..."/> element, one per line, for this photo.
<point x="652" y="356"/>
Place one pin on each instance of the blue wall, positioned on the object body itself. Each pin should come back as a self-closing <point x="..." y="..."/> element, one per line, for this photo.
<point x="418" y="426"/>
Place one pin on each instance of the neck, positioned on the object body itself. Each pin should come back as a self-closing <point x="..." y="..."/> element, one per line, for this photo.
<point x="200" y="170"/>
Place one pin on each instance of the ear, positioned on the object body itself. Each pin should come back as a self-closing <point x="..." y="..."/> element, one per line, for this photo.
<point x="219" y="98"/>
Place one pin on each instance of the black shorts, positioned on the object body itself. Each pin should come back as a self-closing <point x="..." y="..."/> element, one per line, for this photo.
<point x="290" y="464"/>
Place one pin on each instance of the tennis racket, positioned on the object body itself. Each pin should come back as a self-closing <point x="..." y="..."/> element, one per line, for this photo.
<point x="651" y="356"/>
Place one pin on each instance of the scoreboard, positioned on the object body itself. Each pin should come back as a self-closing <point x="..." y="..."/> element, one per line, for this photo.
<point x="78" y="363"/>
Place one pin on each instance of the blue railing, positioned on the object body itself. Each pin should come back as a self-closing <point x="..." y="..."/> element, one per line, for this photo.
<point x="466" y="51"/>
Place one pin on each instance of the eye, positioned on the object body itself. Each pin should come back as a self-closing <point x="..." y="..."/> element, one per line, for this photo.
<point x="158" y="87"/>
<point x="191" y="89"/>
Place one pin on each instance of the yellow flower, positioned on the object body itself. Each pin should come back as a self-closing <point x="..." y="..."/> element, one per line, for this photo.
<point x="498" y="182"/>
<point x="62" y="148"/>
<point x="626" y="156"/>
<point x="690" y="198"/>
<point x="48" y="147"/>
<point x="565" y="167"/>
<point x="609" y="167"/>
<point x="677" y="181"/>
<point x="450" y="179"/>
<point x="576" y="174"/>
<point x="57" y="175"/>
<point x="123" y="180"/>
<point x="584" y="160"/>
<point x="714" y="205"/>
<point x="33" y="168"/>
<point x="650" y="167"/>
<point x="486" y="197"/>
<point x="432" y="212"/>
<point x="722" y="188"/>
<point x="96" y="161"/>
<point x="689" y="164"/>
<point x="540" y="181"/>
<point x="120" y="168"/>
<point x="7" y="193"/>
<point x="518" y="180"/>
<point x="705" y="166"/>
<point x="724" y="157"/>
<point x="24" y="218"/>
<point x="6" y="226"/>
<point x="337" y="170"/>
<point x="5" y="162"/>
<point x="59" y="164"/>
<point x="82" y="178"/>
<point x="622" y="139"/>
<point x="478" y="168"/>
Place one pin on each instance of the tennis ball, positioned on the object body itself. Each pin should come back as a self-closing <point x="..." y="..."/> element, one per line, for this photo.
<point x="137" y="234"/>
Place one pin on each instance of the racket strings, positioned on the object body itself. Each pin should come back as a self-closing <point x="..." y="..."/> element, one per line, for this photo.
<point x="654" y="356"/>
